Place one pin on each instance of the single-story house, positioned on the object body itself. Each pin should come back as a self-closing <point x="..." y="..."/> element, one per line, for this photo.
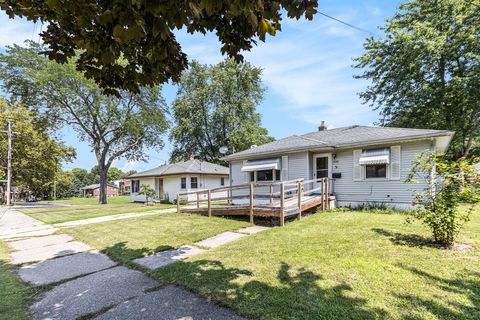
<point x="364" y="164"/>
<point x="171" y="179"/>
<point x="123" y="186"/>
<point x="93" y="190"/>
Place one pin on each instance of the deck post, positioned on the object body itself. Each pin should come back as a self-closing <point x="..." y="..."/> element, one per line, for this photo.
<point x="271" y="195"/>
<point x="327" y="192"/>
<point x="300" y="191"/>
<point x="198" y="200"/>
<point x="229" y="196"/>
<point x="209" y="193"/>
<point x="323" y="194"/>
<point x="282" y="204"/>
<point x="178" y="202"/>
<point x="251" y="203"/>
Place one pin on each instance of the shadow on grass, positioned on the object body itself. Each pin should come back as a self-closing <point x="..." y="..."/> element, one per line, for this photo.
<point x="120" y="252"/>
<point x="294" y="294"/>
<point x="468" y="286"/>
<point x="410" y="240"/>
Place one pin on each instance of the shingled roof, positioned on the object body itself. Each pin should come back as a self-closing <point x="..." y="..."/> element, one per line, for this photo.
<point x="338" y="138"/>
<point x="185" y="167"/>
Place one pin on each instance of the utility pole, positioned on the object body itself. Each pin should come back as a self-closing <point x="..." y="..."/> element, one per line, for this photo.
<point x="9" y="162"/>
<point x="54" y="189"/>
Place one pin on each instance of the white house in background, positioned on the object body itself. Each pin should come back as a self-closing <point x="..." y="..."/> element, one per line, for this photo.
<point x="365" y="164"/>
<point x="171" y="179"/>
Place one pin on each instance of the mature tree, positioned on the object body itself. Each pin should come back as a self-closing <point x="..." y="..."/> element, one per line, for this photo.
<point x="80" y="178"/>
<point x="130" y="44"/>
<point x="130" y="172"/>
<point x="63" y="185"/>
<point x="115" y="174"/>
<point x="37" y="158"/>
<point x="216" y="106"/>
<point x="425" y="72"/>
<point x="114" y="126"/>
<point x="112" y="174"/>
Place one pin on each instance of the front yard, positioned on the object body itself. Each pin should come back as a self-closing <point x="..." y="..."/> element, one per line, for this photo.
<point x="339" y="265"/>
<point x="85" y="208"/>
<point x="333" y="265"/>
<point x="125" y="240"/>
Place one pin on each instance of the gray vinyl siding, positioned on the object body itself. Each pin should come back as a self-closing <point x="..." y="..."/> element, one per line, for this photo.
<point x="237" y="176"/>
<point x="298" y="166"/>
<point x="382" y="190"/>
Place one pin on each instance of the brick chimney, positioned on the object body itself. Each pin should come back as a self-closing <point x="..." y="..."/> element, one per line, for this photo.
<point x="322" y="126"/>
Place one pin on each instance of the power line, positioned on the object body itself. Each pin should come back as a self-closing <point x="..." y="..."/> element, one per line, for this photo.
<point x="347" y="24"/>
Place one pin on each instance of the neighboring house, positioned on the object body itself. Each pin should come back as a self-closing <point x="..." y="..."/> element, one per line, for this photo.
<point x="93" y="190"/>
<point x="365" y="164"/>
<point x="123" y="186"/>
<point x="171" y="179"/>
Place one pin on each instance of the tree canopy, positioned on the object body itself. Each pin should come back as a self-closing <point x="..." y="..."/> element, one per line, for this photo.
<point x="114" y="126"/>
<point x="216" y="106"/>
<point x="36" y="158"/>
<point x="425" y="72"/>
<point x="130" y="44"/>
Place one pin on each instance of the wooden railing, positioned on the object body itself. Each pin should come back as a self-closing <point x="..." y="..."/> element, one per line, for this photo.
<point x="281" y="197"/>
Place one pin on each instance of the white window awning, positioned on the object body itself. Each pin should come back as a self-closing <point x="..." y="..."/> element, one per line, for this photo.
<point x="256" y="165"/>
<point x="375" y="156"/>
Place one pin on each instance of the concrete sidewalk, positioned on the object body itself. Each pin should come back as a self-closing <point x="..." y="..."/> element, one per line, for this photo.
<point x="91" y="283"/>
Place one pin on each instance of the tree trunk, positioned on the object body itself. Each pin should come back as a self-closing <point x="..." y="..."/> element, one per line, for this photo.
<point x="102" y="171"/>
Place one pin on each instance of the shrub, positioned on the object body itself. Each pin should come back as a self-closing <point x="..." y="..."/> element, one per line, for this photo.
<point x="449" y="185"/>
<point x="148" y="191"/>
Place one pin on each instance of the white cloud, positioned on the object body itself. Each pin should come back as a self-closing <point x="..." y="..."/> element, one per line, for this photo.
<point x="16" y="30"/>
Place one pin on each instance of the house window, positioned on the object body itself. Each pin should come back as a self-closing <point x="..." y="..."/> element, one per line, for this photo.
<point x="376" y="171"/>
<point x="135" y="186"/>
<point x="193" y="182"/>
<point x="222" y="181"/>
<point x="252" y="176"/>
<point x="277" y="175"/>
<point x="265" y="175"/>
<point x="183" y="183"/>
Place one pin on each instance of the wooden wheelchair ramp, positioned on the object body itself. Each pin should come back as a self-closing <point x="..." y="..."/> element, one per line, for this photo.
<point x="277" y="199"/>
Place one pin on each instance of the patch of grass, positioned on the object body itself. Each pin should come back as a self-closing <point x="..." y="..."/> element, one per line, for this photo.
<point x="125" y="240"/>
<point x="80" y="212"/>
<point x="12" y="292"/>
<point x="91" y="200"/>
<point x="339" y="265"/>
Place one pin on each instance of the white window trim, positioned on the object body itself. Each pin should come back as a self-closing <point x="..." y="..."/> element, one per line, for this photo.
<point x="198" y="182"/>
<point x="330" y="164"/>
<point x="274" y="175"/>
<point x="364" y="174"/>
<point x="186" y="183"/>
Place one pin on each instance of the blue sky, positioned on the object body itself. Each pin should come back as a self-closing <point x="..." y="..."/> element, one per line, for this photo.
<point x="306" y="69"/>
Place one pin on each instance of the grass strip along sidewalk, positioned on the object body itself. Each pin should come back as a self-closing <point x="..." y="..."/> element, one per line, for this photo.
<point x="13" y="294"/>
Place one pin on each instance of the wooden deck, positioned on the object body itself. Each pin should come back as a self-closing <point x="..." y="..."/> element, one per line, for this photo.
<point x="278" y="199"/>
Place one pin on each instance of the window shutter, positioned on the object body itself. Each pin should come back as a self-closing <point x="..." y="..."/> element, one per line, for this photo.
<point x="284" y="168"/>
<point x="395" y="155"/>
<point x="246" y="174"/>
<point x="357" y="168"/>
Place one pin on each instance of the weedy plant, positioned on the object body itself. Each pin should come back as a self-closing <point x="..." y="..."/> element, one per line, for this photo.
<point x="450" y="184"/>
<point x="148" y="191"/>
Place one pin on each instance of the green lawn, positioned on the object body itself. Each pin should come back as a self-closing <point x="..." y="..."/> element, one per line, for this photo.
<point x="91" y="200"/>
<point x="125" y="240"/>
<point x="79" y="212"/>
<point x="12" y="292"/>
<point x="338" y="265"/>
